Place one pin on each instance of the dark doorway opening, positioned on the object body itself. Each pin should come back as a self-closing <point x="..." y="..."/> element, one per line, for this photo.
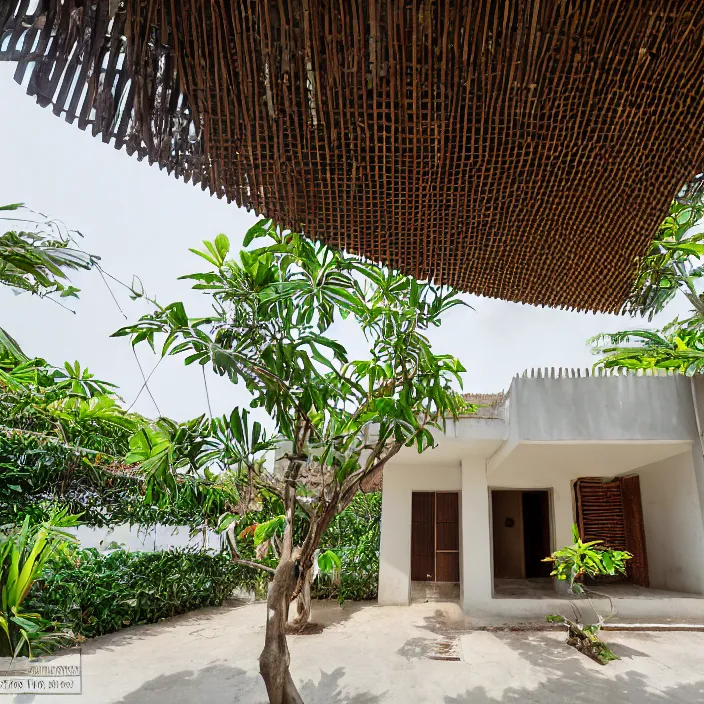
<point x="536" y="533"/>
<point x="521" y="533"/>
<point x="435" y="537"/>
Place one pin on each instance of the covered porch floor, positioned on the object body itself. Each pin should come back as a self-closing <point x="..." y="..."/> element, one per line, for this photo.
<point x="529" y="601"/>
<point x="543" y="589"/>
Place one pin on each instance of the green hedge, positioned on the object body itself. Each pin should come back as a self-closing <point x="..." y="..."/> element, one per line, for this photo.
<point x="93" y="593"/>
<point x="354" y="535"/>
<point x="96" y="593"/>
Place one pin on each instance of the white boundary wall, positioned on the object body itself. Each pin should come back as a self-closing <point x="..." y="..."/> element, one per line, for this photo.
<point x="139" y="539"/>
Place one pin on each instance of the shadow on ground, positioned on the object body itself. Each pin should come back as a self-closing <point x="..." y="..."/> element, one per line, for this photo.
<point x="329" y="691"/>
<point x="445" y="622"/>
<point x="416" y="648"/>
<point x="217" y="684"/>
<point x="570" y="680"/>
<point x="334" y="614"/>
<point x="223" y="684"/>
<point x="125" y="636"/>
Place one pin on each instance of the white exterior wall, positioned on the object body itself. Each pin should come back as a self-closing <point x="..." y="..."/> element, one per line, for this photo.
<point x="558" y="430"/>
<point x="139" y="539"/>
<point x="609" y="408"/>
<point x="672" y="515"/>
<point x="400" y="481"/>
<point x="470" y="479"/>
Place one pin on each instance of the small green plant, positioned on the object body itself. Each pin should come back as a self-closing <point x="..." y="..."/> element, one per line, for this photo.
<point x="24" y="554"/>
<point x="571" y="564"/>
<point x="586" y="638"/>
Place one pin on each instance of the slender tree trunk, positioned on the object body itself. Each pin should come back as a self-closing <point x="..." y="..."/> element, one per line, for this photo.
<point x="275" y="659"/>
<point x="303" y="602"/>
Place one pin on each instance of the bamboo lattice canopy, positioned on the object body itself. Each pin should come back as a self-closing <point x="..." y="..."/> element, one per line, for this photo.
<point x="520" y="149"/>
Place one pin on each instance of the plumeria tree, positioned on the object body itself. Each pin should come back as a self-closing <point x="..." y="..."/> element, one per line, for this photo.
<point x="672" y="267"/>
<point x="340" y="420"/>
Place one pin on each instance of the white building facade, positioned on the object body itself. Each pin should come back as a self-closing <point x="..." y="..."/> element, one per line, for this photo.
<point x="619" y="455"/>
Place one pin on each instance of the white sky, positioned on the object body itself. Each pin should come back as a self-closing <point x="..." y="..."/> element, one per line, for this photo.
<point x="141" y="221"/>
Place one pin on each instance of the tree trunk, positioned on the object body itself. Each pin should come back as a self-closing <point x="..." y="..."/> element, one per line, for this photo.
<point x="303" y="602"/>
<point x="275" y="659"/>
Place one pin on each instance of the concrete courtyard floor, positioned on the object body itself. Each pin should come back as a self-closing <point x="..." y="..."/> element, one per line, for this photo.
<point x="369" y="654"/>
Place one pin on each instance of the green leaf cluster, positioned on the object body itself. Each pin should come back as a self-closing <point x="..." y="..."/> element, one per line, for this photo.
<point x="272" y="329"/>
<point x="589" y="558"/>
<point x="673" y="265"/>
<point x="354" y="537"/>
<point x="38" y="262"/>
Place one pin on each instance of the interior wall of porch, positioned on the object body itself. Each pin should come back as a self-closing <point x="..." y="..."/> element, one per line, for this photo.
<point x="400" y="481"/>
<point x="554" y="479"/>
<point x="672" y="517"/>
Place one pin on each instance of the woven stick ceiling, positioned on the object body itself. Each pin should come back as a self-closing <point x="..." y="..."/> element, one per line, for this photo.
<point x="520" y="149"/>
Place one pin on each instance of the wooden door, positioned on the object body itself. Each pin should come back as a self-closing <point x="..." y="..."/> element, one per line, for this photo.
<point x="447" y="537"/>
<point x="435" y="537"/>
<point x="423" y="536"/>
<point x="637" y="567"/>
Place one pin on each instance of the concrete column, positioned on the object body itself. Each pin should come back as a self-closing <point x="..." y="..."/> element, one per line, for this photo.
<point x="475" y="535"/>
<point x="395" y="548"/>
<point x="563" y="512"/>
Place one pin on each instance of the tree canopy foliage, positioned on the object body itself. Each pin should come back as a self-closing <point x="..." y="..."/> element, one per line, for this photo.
<point x="37" y="262"/>
<point x="272" y="312"/>
<point x="673" y="265"/>
<point x="340" y="420"/>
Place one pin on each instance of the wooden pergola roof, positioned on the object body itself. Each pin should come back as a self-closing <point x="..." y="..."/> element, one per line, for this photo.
<point x="520" y="149"/>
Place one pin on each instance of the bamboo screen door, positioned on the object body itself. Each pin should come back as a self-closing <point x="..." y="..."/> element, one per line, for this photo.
<point x="435" y="537"/>
<point x="611" y="511"/>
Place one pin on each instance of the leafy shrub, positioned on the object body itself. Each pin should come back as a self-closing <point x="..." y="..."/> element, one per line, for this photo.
<point x="586" y="559"/>
<point x="577" y="561"/>
<point x="354" y="536"/>
<point x="24" y="552"/>
<point x="94" y="593"/>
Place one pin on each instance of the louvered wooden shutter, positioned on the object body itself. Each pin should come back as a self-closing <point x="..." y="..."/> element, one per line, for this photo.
<point x="612" y="512"/>
<point x="600" y="511"/>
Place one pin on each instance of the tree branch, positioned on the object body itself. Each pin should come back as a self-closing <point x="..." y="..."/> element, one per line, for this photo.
<point x="263" y="484"/>
<point x="249" y="563"/>
<point x="53" y="440"/>
<point x="352" y="482"/>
